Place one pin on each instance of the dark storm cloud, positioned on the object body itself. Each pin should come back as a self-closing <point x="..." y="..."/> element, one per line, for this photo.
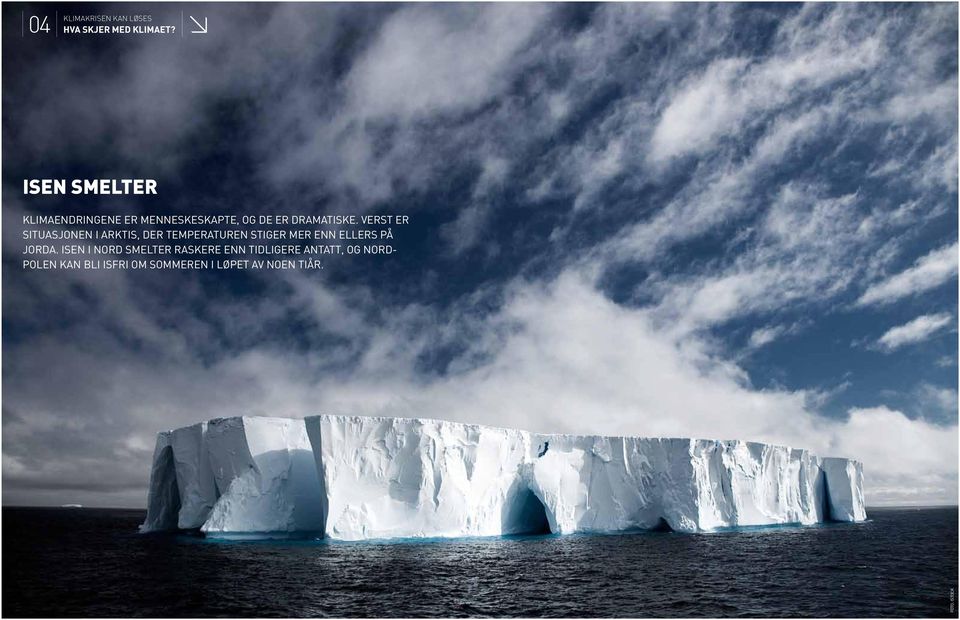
<point x="618" y="210"/>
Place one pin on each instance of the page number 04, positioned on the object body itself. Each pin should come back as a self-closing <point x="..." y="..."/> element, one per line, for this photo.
<point x="39" y="24"/>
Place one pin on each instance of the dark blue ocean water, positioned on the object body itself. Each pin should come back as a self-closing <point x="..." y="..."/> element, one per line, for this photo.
<point x="88" y="562"/>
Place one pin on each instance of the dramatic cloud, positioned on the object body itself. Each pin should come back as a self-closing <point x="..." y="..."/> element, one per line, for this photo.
<point x="542" y="362"/>
<point x="642" y="219"/>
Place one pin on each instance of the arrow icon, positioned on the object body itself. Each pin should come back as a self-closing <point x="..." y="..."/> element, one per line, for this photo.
<point x="203" y="28"/>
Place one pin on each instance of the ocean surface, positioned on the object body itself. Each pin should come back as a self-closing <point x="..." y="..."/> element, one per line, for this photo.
<point x="91" y="562"/>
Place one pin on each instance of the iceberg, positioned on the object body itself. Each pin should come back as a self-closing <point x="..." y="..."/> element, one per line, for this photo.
<point x="359" y="478"/>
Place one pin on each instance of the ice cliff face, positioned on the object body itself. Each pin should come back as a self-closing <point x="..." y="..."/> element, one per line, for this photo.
<point x="354" y="478"/>
<point x="234" y="476"/>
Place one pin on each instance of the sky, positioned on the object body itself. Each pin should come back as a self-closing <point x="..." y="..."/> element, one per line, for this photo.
<point x="729" y="221"/>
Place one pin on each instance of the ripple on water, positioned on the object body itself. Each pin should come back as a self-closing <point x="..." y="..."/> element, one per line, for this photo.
<point x="89" y="562"/>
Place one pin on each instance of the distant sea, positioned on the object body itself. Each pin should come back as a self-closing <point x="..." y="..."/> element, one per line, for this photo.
<point x="91" y="562"/>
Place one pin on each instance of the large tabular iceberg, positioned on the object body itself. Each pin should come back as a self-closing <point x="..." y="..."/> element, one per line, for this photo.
<point x="354" y="478"/>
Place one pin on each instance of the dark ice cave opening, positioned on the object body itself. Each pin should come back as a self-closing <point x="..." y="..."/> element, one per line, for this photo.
<point x="661" y="526"/>
<point x="528" y="516"/>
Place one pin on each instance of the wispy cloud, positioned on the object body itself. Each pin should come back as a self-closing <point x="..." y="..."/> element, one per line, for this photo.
<point x="733" y="92"/>
<point x="917" y="330"/>
<point x="427" y="61"/>
<point x="763" y="336"/>
<point x="930" y="271"/>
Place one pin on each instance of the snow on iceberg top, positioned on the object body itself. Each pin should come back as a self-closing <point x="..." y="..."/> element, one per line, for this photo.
<point x="360" y="419"/>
